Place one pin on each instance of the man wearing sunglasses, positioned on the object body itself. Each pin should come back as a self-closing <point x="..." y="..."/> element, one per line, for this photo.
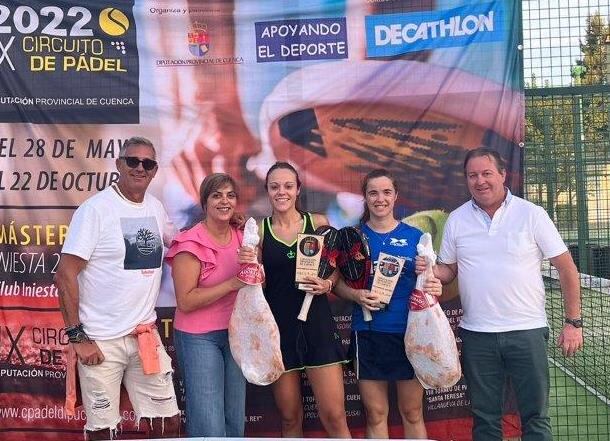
<point x="108" y="281"/>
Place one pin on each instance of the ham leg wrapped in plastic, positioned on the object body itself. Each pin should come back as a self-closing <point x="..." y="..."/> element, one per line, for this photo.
<point x="253" y="334"/>
<point x="429" y="340"/>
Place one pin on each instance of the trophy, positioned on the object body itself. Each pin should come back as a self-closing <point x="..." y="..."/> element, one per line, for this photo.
<point x="327" y="262"/>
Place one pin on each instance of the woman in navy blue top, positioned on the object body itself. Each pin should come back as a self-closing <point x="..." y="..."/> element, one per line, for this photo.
<point x="377" y="346"/>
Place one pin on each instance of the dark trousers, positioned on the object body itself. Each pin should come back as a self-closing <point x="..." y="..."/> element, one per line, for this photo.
<point x="488" y="358"/>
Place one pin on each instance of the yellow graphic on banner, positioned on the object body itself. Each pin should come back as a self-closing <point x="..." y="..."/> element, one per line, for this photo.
<point x="113" y="22"/>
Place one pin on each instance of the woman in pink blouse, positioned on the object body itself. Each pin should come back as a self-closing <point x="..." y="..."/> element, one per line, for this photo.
<point x="205" y="263"/>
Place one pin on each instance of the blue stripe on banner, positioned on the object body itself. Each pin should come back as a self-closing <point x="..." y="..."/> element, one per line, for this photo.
<point x="394" y="34"/>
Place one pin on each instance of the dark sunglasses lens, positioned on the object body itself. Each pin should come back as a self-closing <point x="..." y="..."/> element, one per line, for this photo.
<point x="133" y="162"/>
<point x="149" y="164"/>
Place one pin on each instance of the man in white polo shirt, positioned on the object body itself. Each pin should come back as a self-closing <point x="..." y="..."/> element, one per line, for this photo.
<point x="108" y="281"/>
<point x="496" y="243"/>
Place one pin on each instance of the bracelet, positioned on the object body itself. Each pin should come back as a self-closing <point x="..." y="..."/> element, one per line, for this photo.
<point x="76" y="334"/>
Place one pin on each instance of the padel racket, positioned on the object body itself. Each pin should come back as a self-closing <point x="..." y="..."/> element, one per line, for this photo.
<point x="328" y="263"/>
<point x="355" y="261"/>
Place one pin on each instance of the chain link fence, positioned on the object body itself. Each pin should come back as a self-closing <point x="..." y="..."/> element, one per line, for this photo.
<point x="566" y="46"/>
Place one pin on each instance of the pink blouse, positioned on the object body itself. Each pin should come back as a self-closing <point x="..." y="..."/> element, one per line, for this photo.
<point x="218" y="263"/>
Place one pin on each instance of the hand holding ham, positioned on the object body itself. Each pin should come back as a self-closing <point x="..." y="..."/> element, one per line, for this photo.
<point x="247" y="254"/>
<point x="420" y="264"/>
<point x="433" y="286"/>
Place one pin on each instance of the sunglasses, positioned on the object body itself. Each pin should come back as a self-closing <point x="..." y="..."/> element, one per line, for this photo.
<point x="133" y="162"/>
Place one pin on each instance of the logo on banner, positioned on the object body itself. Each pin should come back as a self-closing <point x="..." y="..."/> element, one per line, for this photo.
<point x="394" y="34"/>
<point x="113" y="22"/>
<point x="69" y="64"/>
<point x="201" y="50"/>
<point x="199" y="39"/>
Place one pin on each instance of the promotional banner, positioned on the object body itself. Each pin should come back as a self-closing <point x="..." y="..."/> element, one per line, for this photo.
<point x="335" y="87"/>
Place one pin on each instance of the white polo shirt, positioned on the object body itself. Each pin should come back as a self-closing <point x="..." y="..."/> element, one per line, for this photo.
<point x="499" y="277"/>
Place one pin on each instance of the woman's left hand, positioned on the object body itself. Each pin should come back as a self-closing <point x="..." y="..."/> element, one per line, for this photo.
<point x="433" y="286"/>
<point x="318" y="286"/>
<point x="247" y="255"/>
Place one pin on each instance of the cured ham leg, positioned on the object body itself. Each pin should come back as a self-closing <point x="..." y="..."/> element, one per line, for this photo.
<point x="253" y="334"/>
<point x="429" y="341"/>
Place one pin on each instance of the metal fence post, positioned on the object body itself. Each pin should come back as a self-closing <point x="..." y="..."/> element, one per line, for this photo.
<point x="581" y="185"/>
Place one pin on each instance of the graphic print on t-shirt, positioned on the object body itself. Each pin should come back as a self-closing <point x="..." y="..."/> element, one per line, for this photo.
<point x="143" y="245"/>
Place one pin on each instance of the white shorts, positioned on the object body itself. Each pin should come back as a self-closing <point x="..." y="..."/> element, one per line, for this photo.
<point x="151" y="396"/>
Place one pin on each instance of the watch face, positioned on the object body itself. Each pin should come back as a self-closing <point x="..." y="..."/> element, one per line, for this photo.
<point x="577" y="323"/>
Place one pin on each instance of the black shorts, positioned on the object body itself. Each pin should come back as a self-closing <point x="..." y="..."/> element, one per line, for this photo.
<point x="379" y="356"/>
<point x="310" y="344"/>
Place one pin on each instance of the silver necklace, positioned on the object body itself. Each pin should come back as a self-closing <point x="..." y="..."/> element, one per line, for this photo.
<point x="383" y="237"/>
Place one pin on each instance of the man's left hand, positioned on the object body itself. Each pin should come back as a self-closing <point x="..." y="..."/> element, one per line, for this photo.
<point x="570" y="340"/>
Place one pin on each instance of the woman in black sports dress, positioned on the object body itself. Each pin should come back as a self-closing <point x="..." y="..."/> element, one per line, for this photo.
<point x="314" y="345"/>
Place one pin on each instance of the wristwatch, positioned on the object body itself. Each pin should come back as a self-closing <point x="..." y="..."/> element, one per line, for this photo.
<point x="76" y="334"/>
<point x="577" y="322"/>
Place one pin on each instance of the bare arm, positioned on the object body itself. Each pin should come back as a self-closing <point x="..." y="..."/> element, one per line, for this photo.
<point x="319" y="220"/>
<point x="445" y="272"/>
<point x="66" y="282"/>
<point x="570" y="340"/>
<point x="185" y="272"/>
<point x="346" y="292"/>
<point x="569" y="282"/>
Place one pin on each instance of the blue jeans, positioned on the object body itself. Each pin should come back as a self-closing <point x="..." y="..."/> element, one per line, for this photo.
<point x="214" y="386"/>
<point x="488" y="358"/>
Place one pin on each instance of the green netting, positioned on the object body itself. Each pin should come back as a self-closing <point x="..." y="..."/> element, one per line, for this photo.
<point x="567" y="171"/>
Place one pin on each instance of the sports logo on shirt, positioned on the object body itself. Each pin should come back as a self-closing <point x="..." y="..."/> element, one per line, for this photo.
<point x="398" y="242"/>
<point x="143" y="244"/>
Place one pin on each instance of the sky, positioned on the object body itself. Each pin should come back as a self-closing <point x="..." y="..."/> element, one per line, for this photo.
<point x="552" y="32"/>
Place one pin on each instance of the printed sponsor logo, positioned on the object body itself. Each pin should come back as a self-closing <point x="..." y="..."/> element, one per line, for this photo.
<point x="301" y="39"/>
<point x="87" y="52"/>
<point x="200" y="49"/>
<point x="199" y="40"/>
<point x="394" y="34"/>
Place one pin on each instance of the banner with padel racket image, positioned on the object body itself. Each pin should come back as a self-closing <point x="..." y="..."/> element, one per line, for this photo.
<point x="336" y="88"/>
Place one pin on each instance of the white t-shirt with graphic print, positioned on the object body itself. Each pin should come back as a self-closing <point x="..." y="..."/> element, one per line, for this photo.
<point x="122" y="242"/>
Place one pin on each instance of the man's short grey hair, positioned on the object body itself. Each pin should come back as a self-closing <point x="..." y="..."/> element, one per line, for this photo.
<point x="136" y="140"/>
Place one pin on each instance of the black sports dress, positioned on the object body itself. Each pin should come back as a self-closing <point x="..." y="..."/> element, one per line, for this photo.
<point x="315" y="342"/>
